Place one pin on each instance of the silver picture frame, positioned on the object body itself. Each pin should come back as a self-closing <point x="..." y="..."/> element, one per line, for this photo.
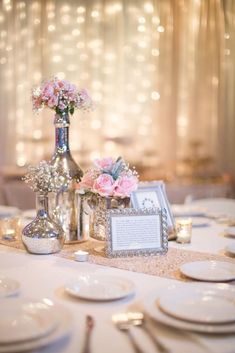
<point x="153" y="194"/>
<point x="158" y="233"/>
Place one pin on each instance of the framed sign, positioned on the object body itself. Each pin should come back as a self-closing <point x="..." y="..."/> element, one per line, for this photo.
<point x="132" y="232"/>
<point x="153" y="194"/>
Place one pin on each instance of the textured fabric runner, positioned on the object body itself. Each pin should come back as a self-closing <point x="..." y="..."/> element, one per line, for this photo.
<point x="162" y="265"/>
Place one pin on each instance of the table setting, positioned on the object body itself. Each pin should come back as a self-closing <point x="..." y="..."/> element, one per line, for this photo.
<point x="86" y="296"/>
<point x="105" y="263"/>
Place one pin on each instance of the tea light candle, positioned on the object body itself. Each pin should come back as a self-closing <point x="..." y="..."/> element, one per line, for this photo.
<point x="81" y="255"/>
<point x="9" y="234"/>
<point x="183" y="230"/>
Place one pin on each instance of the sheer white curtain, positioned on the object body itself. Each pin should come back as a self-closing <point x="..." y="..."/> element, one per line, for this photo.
<point x="162" y="73"/>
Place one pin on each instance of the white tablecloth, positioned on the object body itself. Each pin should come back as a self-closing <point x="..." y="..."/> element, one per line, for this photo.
<point x="45" y="276"/>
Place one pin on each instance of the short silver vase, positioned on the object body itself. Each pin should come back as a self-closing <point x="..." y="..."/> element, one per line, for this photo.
<point x="98" y="207"/>
<point x="43" y="235"/>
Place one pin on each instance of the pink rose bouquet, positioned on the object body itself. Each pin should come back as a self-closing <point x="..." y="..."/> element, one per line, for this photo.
<point x="109" y="178"/>
<point x="61" y="96"/>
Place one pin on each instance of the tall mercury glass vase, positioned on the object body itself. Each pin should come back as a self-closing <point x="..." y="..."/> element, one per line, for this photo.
<point x="64" y="206"/>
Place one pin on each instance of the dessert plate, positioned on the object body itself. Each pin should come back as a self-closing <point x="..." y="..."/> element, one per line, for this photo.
<point x="23" y="320"/>
<point x="8" y="287"/>
<point x="212" y="271"/>
<point x="200" y="302"/>
<point x="100" y="288"/>
<point x="62" y="330"/>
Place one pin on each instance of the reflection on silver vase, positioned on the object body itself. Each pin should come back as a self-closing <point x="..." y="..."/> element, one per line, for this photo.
<point x="98" y="206"/>
<point x="43" y="235"/>
<point x="64" y="206"/>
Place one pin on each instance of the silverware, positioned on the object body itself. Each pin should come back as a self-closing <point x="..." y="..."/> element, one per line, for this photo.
<point x="125" y="327"/>
<point x="90" y="323"/>
<point x="138" y="319"/>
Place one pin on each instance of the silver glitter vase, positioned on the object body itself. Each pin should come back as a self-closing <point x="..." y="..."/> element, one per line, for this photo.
<point x="98" y="207"/>
<point x="43" y="235"/>
<point x="64" y="206"/>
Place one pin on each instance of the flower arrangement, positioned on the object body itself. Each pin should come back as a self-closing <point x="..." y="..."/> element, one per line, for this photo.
<point x="45" y="178"/>
<point x="109" y="178"/>
<point x="61" y="96"/>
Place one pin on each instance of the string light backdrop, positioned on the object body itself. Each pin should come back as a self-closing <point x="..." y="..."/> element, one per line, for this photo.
<point x="154" y="68"/>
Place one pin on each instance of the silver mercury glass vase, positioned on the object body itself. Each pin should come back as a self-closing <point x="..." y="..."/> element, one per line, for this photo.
<point x="64" y="207"/>
<point x="43" y="235"/>
<point x="98" y="207"/>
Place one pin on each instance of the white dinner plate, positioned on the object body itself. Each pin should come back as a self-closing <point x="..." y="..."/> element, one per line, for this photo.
<point x="29" y="214"/>
<point x="200" y="222"/>
<point x="62" y="330"/>
<point x="230" y="231"/>
<point x="211" y="271"/>
<point x="152" y="308"/>
<point x="100" y="287"/>
<point x="8" y="286"/>
<point x="200" y="302"/>
<point x="7" y="211"/>
<point x="188" y="211"/>
<point x="230" y="249"/>
<point x="23" y="319"/>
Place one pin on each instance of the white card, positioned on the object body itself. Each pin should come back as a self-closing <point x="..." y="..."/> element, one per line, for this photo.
<point x="136" y="232"/>
<point x="153" y="194"/>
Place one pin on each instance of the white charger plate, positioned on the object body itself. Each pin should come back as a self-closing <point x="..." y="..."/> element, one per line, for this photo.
<point x="62" y="330"/>
<point x="212" y="271"/>
<point x="152" y="308"/>
<point x="100" y="288"/>
<point x="230" y="248"/>
<point x="230" y="231"/>
<point x="200" y="302"/>
<point x="8" y="286"/>
<point x="23" y="319"/>
<point x="188" y="211"/>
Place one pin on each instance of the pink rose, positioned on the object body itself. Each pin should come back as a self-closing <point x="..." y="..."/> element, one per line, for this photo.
<point x="104" y="164"/>
<point x="104" y="185"/>
<point x="52" y="102"/>
<point x="124" y="185"/>
<point x="37" y="103"/>
<point x="47" y="91"/>
<point x="87" y="181"/>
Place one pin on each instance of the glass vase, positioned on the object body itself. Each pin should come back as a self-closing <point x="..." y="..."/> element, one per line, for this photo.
<point x="43" y="235"/>
<point x="99" y="206"/>
<point x="64" y="205"/>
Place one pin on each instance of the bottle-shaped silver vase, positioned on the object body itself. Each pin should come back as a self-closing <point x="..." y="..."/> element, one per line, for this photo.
<point x="64" y="205"/>
<point x="43" y="235"/>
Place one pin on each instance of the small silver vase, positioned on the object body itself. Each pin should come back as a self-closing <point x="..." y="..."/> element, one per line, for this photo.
<point x="43" y="235"/>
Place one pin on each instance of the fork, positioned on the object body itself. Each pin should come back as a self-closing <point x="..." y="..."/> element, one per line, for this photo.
<point x="125" y="327"/>
<point x="137" y="319"/>
<point x="142" y="322"/>
<point x="89" y="327"/>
